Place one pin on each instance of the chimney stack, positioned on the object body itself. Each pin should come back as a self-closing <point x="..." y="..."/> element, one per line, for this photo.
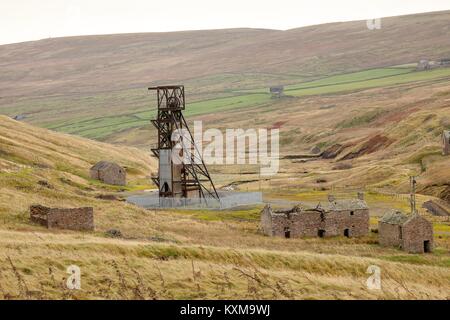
<point x="361" y="196"/>
<point x="331" y="198"/>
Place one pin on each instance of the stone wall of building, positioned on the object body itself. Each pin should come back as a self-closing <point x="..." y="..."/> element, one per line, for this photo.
<point x="110" y="173"/>
<point x="308" y="223"/>
<point x="413" y="234"/>
<point x="417" y="234"/>
<point x="266" y="221"/>
<point x="351" y="223"/>
<point x="38" y="214"/>
<point x="282" y="223"/>
<point x="112" y="176"/>
<point x="389" y="234"/>
<point x="73" y="219"/>
<point x="315" y="222"/>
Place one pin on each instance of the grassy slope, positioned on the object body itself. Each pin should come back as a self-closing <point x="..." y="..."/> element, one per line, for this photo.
<point x="105" y="63"/>
<point x="36" y="148"/>
<point x="102" y="128"/>
<point x="95" y="86"/>
<point x="335" y="85"/>
<point x="221" y="255"/>
<point x="394" y="101"/>
<point x="411" y="116"/>
<point x="172" y="254"/>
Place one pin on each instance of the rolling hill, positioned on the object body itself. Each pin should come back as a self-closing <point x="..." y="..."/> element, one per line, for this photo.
<point x="95" y="86"/>
<point x="175" y="254"/>
<point x="352" y="93"/>
<point x="348" y="88"/>
<point x="112" y="62"/>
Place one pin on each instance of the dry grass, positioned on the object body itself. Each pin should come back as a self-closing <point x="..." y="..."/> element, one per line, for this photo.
<point x="199" y="255"/>
<point x="133" y="270"/>
<point x="411" y="117"/>
<point x="23" y="146"/>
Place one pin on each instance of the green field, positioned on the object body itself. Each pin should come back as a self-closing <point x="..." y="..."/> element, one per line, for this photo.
<point x="99" y="128"/>
<point x="345" y="84"/>
<point x="137" y="111"/>
<point x="347" y="78"/>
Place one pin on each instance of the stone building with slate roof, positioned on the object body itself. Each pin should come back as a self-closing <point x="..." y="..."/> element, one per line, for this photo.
<point x="109" y="173"/>
<point x="411" y="233"/>
<point x="276" y="91"/>
<point x="348" y="217"/>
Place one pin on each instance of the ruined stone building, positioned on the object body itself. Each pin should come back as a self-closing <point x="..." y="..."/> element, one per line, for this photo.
<point x="73" y="219"/>
<point x="446" y="143"/>
<point x="411" y="233"/>
<point x="109" y="173"/>
<point x="348" y="218"/>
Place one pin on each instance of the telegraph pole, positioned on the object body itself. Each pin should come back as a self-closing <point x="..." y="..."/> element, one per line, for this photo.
<point x="413" y="182"/>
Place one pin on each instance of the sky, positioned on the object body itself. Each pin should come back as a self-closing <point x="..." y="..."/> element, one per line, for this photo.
<point x="22" y="20"/>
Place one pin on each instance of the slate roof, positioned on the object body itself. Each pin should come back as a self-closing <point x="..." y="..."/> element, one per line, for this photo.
<point x="19" y="117"/>
<point x="276" y="89"/>
<point x="395" y="217"/>
<point x="102" y="165"/>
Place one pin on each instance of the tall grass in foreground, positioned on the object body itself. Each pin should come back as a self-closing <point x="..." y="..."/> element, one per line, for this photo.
<point x="161" y="271"/>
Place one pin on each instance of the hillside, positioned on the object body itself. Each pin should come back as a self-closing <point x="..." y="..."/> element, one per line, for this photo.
<point x="175" y="254"/>
<point x="381" y="123"/>
<point x="372" y="139"/>
<point x="108" y="63"/>
<point x="38" y="165"/>
<point x="95" y="86"/>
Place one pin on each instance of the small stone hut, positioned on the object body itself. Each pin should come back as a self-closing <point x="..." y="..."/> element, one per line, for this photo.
<point x="276" y="91"/>
<point x="423" y="65"/>
<point x="349" y="217"/>
<point x="411" y="233"/>
<point x="446" y="143"/>
<point x="109" y="172"/>
<point x="58" y="218"/>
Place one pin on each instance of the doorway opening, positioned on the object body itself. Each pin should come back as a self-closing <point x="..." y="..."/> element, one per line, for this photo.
<point x="321" y="233"/>
<point x="426" y="246"/>
<point x="287" y="233"/>
<point x="347" y="233"/>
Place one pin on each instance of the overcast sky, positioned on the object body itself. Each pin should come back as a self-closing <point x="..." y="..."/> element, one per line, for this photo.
<point x="22" y="20"/>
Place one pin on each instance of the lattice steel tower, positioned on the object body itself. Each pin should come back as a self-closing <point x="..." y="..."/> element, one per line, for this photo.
<point x="190" y="179"/>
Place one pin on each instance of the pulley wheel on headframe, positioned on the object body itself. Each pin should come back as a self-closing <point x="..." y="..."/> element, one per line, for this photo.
<point x="173" y="103"/>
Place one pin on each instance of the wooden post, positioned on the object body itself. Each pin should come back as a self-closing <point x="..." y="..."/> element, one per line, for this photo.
<point x="413" y="194"/>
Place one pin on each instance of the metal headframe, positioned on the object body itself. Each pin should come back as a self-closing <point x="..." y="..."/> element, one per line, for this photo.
<point x="195" y="175"/>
